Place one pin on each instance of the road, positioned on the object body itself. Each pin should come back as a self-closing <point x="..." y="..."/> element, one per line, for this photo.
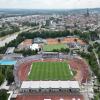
<point x="11" y="37"/>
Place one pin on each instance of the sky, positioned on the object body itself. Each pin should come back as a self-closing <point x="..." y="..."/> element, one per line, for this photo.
<point x="49" y="4"/>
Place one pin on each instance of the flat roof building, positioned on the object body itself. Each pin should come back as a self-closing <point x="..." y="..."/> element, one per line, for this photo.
<point x="10" y="50"/>
<point x="71" y="86"/>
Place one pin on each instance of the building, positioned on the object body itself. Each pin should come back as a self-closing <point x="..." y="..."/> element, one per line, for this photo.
<point x="38" y="40"/>
<point x="50" y="86"/>
<point x="35" y="47"/>
<point x="10" y="50"/>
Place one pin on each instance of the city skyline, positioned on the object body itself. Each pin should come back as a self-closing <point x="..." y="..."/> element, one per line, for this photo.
<point x="49" y="4"/>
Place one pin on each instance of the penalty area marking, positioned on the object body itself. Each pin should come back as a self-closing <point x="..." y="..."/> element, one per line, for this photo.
<point x="30" y="70"/>
<point x="70" y="70"/>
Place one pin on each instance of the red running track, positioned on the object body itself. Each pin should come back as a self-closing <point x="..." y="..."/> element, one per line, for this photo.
<point x="25" y="67"/>
<point x="53" y="97"/>
<point x="81" y="65"/>
<point x="77" y="64"/>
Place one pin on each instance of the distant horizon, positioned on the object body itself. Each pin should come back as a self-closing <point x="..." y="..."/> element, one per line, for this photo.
<point x="47" y="8"/>
<point x="49" y="4"/>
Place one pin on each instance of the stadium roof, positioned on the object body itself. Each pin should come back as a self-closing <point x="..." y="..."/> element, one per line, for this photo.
<point x="50" y="52"/>
<point x="49" y="84"/>
<point x="47" y="99"/>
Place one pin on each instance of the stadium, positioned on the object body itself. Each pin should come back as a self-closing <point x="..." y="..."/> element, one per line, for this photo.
<point x="48" y="76"/>
<point x="51" y="75"/>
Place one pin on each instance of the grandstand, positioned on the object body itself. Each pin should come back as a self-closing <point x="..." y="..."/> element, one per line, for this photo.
<point x="50" y="55"/>
<point x="50" y="86"/>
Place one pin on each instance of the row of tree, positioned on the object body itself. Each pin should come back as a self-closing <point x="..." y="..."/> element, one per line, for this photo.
<point x="10" y="31"/>
<point x="6" y="72"/>
<point x="63" y="50"/>
<point x="45" y="34"/>
<point x="13" y="43"/>
<point x="27" y="52"/>
<point x="3" y="95"/>
<point x="86" y="36"/>
<point x="92" y="62"/>
<point x="90" y="35"/>
<point x="97" y="48"/>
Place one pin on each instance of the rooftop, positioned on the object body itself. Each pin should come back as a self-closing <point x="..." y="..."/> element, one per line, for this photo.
<point x="49" y="84"/>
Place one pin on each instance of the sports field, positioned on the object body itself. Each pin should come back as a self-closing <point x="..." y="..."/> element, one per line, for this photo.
<point x="51" y="47"/>
<point x="50" y="71"/>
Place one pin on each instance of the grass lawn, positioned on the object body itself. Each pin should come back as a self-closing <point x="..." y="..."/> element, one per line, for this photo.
<point x="50" y="71"/>
<point x="53" y="46"/>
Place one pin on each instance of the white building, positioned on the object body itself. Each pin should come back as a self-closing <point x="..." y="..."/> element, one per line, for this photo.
<point x="35" y="47"/>
<point x="10" y="50"/>
<point x="50" y="86"/>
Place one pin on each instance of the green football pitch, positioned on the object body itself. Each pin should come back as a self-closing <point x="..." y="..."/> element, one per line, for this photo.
<point x="50" y="71"/>
<point x="51" y="47"/>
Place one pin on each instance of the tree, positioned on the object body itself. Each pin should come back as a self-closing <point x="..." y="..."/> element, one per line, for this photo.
<point x="10" y="77"/>
<point x="96" y="45"/>
<point x="1" y="78"/>
<point x="59" y="40"/>
<point x="90" y="48"/>
<point x="3" y="95"/>
<point x="77" y="32"/>
<point x="75" y="40"/>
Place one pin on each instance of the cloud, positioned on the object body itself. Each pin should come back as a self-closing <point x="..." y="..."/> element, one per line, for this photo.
<point x="49" y="4"/>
